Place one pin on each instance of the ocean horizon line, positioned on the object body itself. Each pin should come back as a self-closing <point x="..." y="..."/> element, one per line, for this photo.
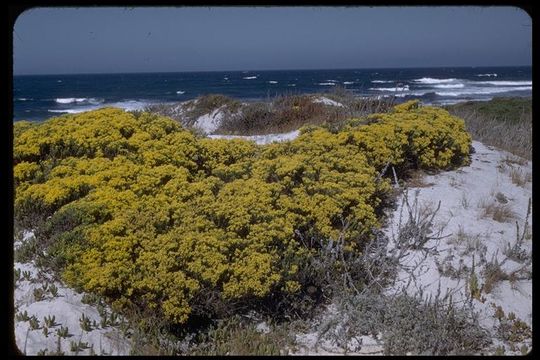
<point x="281" y="70"/>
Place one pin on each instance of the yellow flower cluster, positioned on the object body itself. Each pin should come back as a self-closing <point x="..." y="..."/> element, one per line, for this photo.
<point x="144" y="212"/>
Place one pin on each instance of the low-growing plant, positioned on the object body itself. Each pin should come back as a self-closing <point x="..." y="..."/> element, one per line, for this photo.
<point x="235" y="337"/>
<point x="33" y="322"/>
<point x="90" y="299"/>
<point x="39" y="294"/>
<point x="22" y="316"/>
<point x="16" y="275"/>
<point x="50" y="321"/>
<point x="407" y="325"/>
<point x="63" y="332"/>
<point x="493" y="275"/>
<point x="465" y="202"/>
<point x="77" y="347"/>
<point x="53" y="290"/>
<point x="27" y="275"/>
<point x="515" y="251"/>
<point x="85" y="323"/>
<point x="474" y="287"/>
<point x="26" y="252"/>
<point x="500" y="350"/>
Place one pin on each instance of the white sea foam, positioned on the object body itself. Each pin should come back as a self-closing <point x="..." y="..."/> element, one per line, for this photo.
<point x="381" y="81"/>
<point x="180" y="92"/>
<point x="272" y="82"/>
<point x="413" y="93"/>
<point x="483" y="91"/>
<point x="94" y="101"/>
<point x="427" y="80"/>
<point x="505" y="83"/>
<point x="489" y="75"/>
<point x="24" y="99"/>
<point x="69" y="100"/>
<point x="128" y="105"/>
<point x="327" y="84"/>
<point x="348" y="82"/>
<point x="397" y="88"/>
<point x="70" y="111"/>
<point x="249" y="77"/>
<point x="448" y="86"/>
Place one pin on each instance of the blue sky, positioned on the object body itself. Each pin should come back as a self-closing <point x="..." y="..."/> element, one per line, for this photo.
<point x="162" y="39"/>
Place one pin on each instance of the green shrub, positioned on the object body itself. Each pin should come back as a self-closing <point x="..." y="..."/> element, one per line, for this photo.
<point x="146" y="214"/>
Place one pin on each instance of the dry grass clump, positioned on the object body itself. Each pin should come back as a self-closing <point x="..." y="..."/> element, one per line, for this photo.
<point x="513" y="159"/>
<point x="493" y="275"/>
<point x="496" y="211"/>
<point x="408" y="324"/>
<point x="502" y="122"/>
<point x="283" y="114"/>
<point x="469" y="242"/>
<point x="237" y="336"/>
<point x="519" y="177"/>
<point x="415" y="178"/>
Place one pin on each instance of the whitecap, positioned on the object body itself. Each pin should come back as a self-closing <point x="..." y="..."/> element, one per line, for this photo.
<point x="483" y="91"/>
<point x="327" y="84"/>
<point x="249" y="77"/>
<point x="291" y="84"/>
<point x="272" y="82"/>
<point x="180" y="92"/>
<point x="397" y="88"/>
<point x="95" y="101"/>
<point x="489" y="75"/>
<point x="70" y="100"/>
<point x="348" y="82"/>
<point x="448" y="86"/>
<point x="382" y="81"/>
<point x="505" y="83"/>
<point x="128" y="105"/>
<point x="428" y="80"/>
<point x="24" y="99"/>
<point x="69" y="111"/>
<point x="59" y="81"/>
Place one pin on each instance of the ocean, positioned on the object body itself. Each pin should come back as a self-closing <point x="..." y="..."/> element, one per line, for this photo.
<point x="38" y="97"/>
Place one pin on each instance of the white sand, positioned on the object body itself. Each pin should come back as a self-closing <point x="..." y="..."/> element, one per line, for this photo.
<point x="261" y="139"/>
<point x="327" y="101"/>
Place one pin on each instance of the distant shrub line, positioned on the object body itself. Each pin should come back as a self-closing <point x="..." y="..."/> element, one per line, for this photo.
<point x="137" y="209"/>
<point x="502" y="122"/>
<point x="281" y="113"/>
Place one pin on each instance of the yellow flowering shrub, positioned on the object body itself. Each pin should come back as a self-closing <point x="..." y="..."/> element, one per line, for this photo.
<point x="143" y="212"/>
<point x="436" y="139"/>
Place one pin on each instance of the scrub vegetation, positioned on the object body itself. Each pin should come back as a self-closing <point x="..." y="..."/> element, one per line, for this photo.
<point x="134" y="208"/>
